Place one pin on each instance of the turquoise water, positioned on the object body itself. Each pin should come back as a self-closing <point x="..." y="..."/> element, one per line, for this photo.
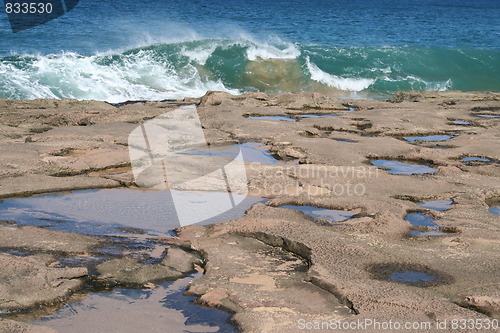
<point x="117" y="51"/>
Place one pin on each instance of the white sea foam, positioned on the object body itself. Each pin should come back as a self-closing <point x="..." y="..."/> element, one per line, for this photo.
<point x="266" y="51"/>
<point x="418" y="83"/>
<point x="200" y="54"/>
<point x="135" y="77"/>
<point x="140" y="74"/>
<point x="349" y="84"/>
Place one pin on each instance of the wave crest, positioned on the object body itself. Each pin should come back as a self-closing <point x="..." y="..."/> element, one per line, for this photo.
<point x="181" y="69"/>
<point x="341" y="83"/>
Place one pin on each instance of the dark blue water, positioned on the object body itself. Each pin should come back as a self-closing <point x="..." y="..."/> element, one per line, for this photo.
<point x="118" y="50"/>
<point x="408" y="276"/>
<point x="420" y="219"/>
<point x="475" y="159"/>
<point x="495" y="210"/>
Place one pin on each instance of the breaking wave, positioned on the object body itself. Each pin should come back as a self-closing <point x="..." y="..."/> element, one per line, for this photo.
<point x="190" y="68"/>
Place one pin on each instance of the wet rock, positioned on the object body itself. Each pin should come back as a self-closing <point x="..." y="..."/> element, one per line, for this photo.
<point x="38" y="239"/>
<point x="130" y="271"/>
<point x="180" y="260"/>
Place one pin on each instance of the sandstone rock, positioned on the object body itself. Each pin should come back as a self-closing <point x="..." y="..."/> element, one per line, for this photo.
<point x="490" y="305"/>
<point x="130" y="271"/>
<point x="26" y="282"/>
<point x="11" y="326"/>
<point x="38" y="239"/>
<point x="180" y="260"/>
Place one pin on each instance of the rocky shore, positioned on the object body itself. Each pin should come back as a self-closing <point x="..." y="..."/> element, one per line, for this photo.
<point x="277" y="268"/>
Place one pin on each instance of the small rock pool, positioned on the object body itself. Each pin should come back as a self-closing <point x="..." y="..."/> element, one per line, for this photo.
<point x="400" y="168"/>
<point x="410" y="277"/>
<point x="429" y="138"/>
<point x="334" y="216"/>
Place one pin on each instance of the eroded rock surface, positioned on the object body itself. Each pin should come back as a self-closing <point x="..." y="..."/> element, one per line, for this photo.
<point x="27" y="238"/>
<point x="275" y="266"/>
<point x="130" y="271"/>
<point x="12" y="326"/>
<point x="25" y="282"/>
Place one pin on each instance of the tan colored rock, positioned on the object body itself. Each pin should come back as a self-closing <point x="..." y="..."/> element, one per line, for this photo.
<point x="130" y="271"/>
<point x="38" y="239"/>
<point x="487" y="304"/>
<point x="181" y="260"/>
<point x="26" y="282"/>
<point x="11" y="326"/>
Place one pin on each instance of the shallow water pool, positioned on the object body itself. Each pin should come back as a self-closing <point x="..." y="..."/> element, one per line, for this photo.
<point x="400" y="168"/>
<point x="333" y="215"/>
<point x="422" y="220"/>
<point x="494" y="210"/>
<point x="475" y="159"/>
<point x="318" y="115"/>
<point x="159" y="310"/>
<point x="276" y="118"/>
<point x="486" y="116"/>
<point x="106" y="211"/>
<point x="251" y="152"/>
<point x="439" y="205"/>
<point x="429" y="138"/>
<point x="460" y="122"/>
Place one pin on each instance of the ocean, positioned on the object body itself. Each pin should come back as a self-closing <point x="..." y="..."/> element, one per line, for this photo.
<point x="164" y="49"/>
